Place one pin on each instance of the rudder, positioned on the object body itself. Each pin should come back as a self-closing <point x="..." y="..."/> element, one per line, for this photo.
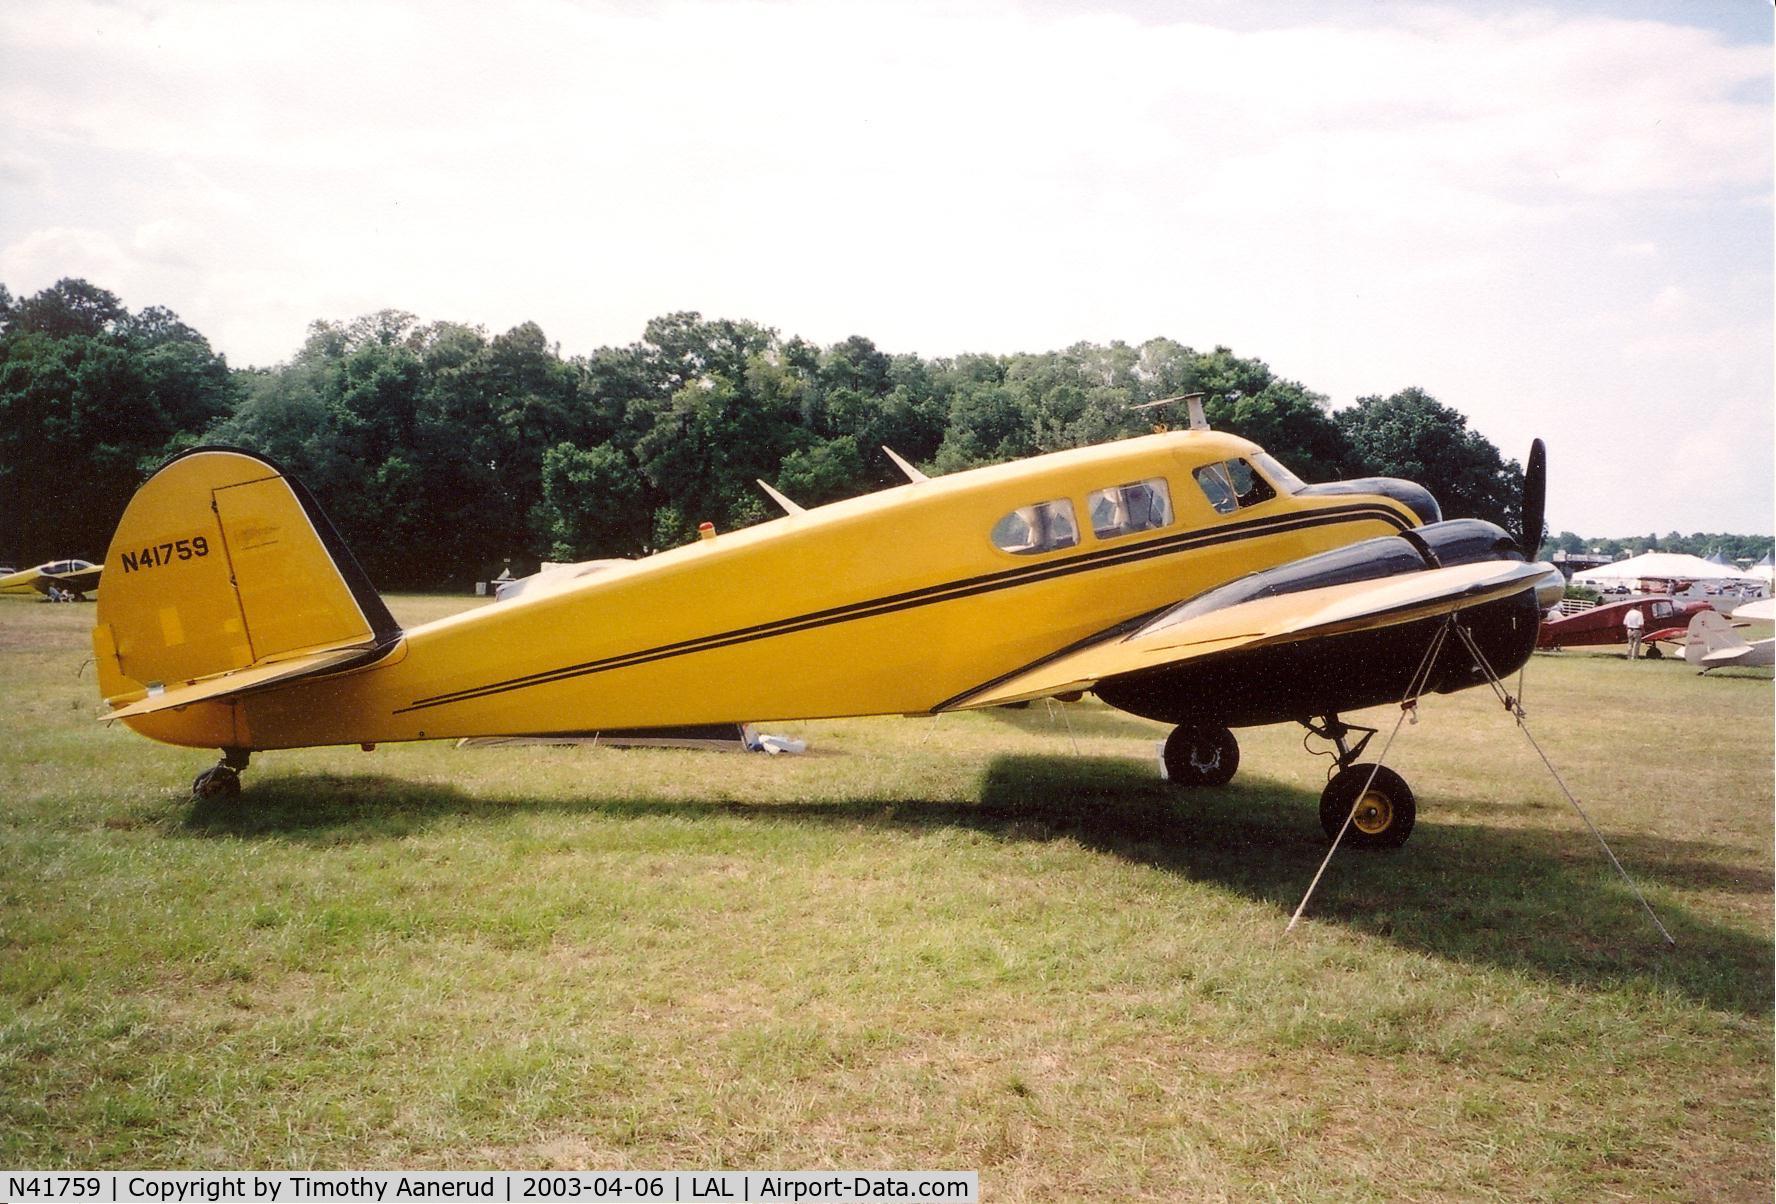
<point x="1709" y="632"/>
<point x="222" y="562"/>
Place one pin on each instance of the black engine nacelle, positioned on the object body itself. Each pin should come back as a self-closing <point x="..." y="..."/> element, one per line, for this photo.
<point x="1327" y="674"/>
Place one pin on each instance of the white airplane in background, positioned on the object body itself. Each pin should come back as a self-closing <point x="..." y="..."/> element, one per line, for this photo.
<point x="1713" y="644"/>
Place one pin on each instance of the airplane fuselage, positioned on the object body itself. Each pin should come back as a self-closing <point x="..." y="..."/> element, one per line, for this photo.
<point x="885" y="604"/>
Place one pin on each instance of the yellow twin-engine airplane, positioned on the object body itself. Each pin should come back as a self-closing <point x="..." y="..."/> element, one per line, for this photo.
<point x="58" y="579"/>
<point x="1186" y="576"/>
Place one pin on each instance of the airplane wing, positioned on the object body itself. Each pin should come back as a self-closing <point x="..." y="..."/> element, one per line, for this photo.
<point x="240" y="681"/>
<point x="21" y="582"/>
<point x="1761" y="611"/>
<point x="1177" y="635"/>
<point x="80" y="581"/>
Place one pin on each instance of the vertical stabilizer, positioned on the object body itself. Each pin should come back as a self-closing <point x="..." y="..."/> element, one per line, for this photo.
<point x="1710" y="633"/>
<point x="222" y="563"/>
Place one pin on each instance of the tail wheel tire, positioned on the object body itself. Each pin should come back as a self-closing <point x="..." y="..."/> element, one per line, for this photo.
<point x="1385" y="808"/>
<point x="219" y="782"/>
<point x="1201" y="756"/>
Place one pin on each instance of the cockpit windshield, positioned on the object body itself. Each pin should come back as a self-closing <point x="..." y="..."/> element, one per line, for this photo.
<point x="1281" y="477"/>
<point x="1232" y="484"/>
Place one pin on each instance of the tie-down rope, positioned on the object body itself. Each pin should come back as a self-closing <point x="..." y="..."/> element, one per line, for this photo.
<point x="1407" y="704"/>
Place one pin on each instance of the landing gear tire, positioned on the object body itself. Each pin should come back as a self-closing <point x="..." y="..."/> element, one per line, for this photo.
<point x="1654" y="652"/>
<point x="1201" y="756"/>
<point x="1384" y="816"/>
<point x="218" y="782"/>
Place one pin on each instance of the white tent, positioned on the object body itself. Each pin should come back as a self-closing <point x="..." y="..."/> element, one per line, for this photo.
<point x="1663" y="566"/>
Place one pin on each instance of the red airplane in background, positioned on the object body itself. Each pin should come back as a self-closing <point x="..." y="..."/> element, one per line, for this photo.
<point x="1665" y="619"/>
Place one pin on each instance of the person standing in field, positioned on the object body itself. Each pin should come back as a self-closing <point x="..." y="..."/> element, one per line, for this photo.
<point x="1634" y="621"/>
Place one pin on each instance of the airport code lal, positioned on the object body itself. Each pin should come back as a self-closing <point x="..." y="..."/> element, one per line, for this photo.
<point x="389" y="1187"/>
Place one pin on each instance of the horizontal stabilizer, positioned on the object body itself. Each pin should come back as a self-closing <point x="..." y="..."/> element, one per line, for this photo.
<point x="241" y="681"/>
<point x="1172" y="638"/>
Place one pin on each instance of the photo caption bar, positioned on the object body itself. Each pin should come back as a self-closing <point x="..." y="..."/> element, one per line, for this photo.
<point x="503" y="1187"/>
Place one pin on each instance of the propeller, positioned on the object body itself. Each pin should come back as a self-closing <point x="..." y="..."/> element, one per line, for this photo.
<point x="1535" y="497"/>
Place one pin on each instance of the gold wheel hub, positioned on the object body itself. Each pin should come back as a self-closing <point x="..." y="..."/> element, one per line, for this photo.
<point x="1375" y="813"/>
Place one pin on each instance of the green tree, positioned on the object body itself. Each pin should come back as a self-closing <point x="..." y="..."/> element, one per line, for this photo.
<point x="823" y="472"/>
<point x="91" y="400"/>
<point x="592" y="504"/>
<point x="69" y="308"/>
<point x="1410" y="434"/>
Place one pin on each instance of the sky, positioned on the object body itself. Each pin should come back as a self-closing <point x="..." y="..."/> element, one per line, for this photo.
<point x="1557" y="220"/>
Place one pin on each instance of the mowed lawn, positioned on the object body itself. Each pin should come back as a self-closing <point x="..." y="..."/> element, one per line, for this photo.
<point x="993" y="942"/>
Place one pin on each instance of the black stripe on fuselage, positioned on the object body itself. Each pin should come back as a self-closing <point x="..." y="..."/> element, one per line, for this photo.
<point x="949" y="591"/>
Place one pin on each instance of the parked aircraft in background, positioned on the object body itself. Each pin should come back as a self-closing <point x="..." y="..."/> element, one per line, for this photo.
<point x="1665" y="619"/>
<point x="73" y="578"/>
<point x="1184" y="576"/>
<point x="1714" y="644"/>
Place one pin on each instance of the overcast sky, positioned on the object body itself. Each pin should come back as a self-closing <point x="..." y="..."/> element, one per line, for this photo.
<point x="1557" y="220"/>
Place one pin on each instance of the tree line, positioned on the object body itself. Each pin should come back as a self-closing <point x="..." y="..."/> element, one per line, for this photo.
<point x="1697" y="543"/>
<point x="443" y="453"/>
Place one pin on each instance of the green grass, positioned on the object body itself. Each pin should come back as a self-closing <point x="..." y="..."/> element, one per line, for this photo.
<point x="951" y="945"/>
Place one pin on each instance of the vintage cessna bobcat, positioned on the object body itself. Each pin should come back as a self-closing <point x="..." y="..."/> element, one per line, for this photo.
<point x="1184" y="576"/>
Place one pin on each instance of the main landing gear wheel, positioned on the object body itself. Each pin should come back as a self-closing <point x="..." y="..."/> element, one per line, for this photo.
<point x="217" y="782"/>
<point x="1201" y="756"/>
<point x="1385" y="810"/>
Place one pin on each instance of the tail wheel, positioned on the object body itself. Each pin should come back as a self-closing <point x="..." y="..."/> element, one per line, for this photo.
<point x="1385" y="808"/>
<point x="1201" y="756"/>
<point x="219" y="782"/>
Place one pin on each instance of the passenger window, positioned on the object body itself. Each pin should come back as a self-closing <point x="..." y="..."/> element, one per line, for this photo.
<point x="1042" y="527"/>
<point x="1661" y="610"/>
<point x="1141" y="506"/>
<point x="1232" y="484"/>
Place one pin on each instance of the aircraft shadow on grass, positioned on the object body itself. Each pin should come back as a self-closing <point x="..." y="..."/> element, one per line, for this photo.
<point x="1542" y="901"/>
<point x="1043" y="720"/>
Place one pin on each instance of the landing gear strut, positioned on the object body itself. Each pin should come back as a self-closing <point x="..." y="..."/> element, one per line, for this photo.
<point x="1384" y="807"/>
<point x="222" y="780"/>
<point x="1201" y="756"/>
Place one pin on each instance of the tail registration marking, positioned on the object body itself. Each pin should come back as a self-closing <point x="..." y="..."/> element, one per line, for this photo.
<point x="155" y="556"/>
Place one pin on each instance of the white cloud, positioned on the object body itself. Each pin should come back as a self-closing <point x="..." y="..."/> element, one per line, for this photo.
<point x="44" y="256"/>
<point x="1487" y="205"/>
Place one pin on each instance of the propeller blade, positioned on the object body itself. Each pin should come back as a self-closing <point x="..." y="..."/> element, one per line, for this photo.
<point x="1535" y="497"/>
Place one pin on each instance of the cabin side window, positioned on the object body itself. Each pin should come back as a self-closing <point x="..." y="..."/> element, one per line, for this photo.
<point x="1232" y="484"/>
<point x="1140" y="506"/>
<point x="1042" y="527"/>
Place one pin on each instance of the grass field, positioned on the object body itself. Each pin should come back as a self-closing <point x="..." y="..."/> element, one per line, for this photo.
<point x="986" y="943"/>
